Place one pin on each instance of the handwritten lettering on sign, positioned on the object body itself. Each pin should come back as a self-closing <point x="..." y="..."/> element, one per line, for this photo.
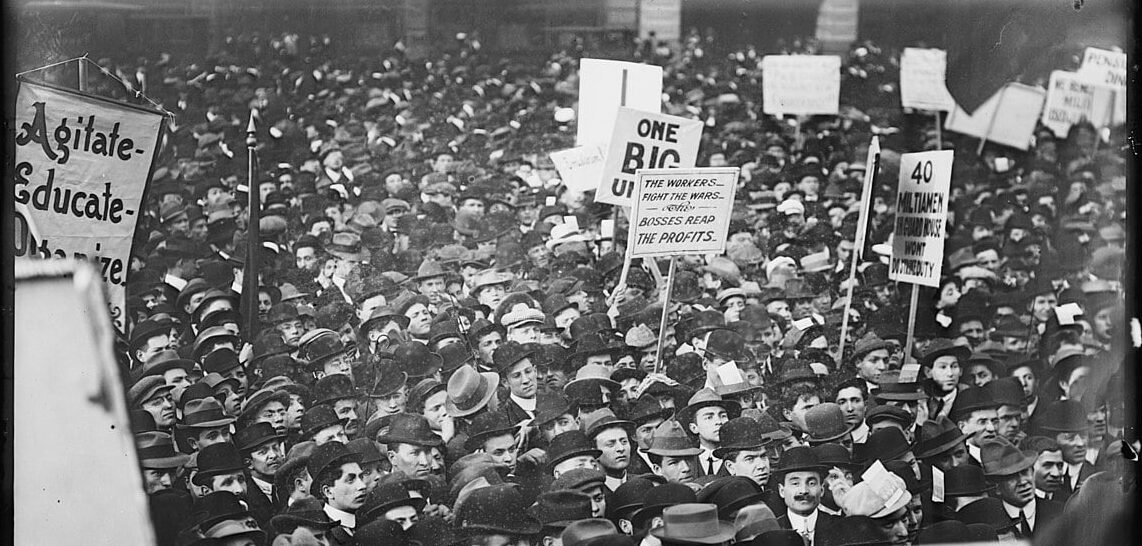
<point x="921" y="217"/>
<point x="681" y="211"/>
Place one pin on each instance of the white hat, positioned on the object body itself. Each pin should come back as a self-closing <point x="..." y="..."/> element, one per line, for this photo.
<point x="791" y="206"/>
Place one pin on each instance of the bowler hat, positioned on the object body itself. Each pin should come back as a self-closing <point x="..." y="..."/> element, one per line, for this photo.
<point x="826" y="423"/>
<point x="647" y="409"/>
<point x="255" y="435"/>
<point x="381" y="316"/>
<point x="573" y="443"/>
<point x="306" y="512"/>
<point x="629" y="497"/>
<point x="1001" y="458"/>
<point x="408" y="428"/>
<point x="799" y="459"/>
<point x="218" y="506"/>
<point x="885" y="412"/>
<point x="965" y="480"/>
<point x="385" y="497"/>
<point x="1006" y="391"/>
<point x="942" y="347"/>
<point x="693" y="524"/>
<point x="937" y="436"/>
<point x="326" y="456"/>
<point x="558" y="509"/>
<point x="510" y="353"/>
<point x="969" y="400"/>
<point x="216" y="459"/>
<point x="726" y="344"/>
<point x="422" y="391"/>
<point x="886" y="444"/>
<point x="319" y="345"/>
<point x="496" y="509"/>
<point x="220" y="361"/>
<point x="469" y="391"/>
<point x="730" y="494"/>
<point x="453" y="356"/>
<point x="316" y="419"/>
<point x="415" y="359"/>
<point x="740" y="434"/>
<point x="156" y="450"/>
<point x="589" y="382"/>
<point x="1061" y="416"/>
<point x="487" y="425"/>
<point x="332" y="388"/>
<point x="835" y="455"/>
<point x="549" y="407"/>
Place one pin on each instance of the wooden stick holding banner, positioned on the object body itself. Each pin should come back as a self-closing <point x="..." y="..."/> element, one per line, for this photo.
<point x="676" y="212"/>
<point x="921" y="224"/>
<point x="665" y="313"/>
<point x="872" y="164"/>
<point x="939" y="131"/>
<point x="250" y="272"/>
<point x="991" y="122"/>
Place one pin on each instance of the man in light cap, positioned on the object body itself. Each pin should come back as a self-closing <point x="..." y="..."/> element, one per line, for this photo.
<point x="884" y="497"/>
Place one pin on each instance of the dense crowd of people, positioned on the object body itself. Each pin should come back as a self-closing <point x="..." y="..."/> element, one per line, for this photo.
<point x="445" y="354"/>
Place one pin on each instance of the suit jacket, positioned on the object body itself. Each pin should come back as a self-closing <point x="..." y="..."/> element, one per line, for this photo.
<point x="824" y="521"/>
<point x="1065" y="491"/>
<point x="261" y="507"/>
<point x="1046" y="511"/>
<point x="512" y="411"/>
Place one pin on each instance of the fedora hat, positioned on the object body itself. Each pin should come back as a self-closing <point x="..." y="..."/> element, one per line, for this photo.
<point x="319" y="345"/>
<point x="220" y="360"/>
<point x="258" y="400"/>
<point x="602" y="419"/>
<point x="799" y="459"/>
<point x="383" y="380"/>
<point x="647" y="409"/>
<point x="160" y="363"/>
<point x="409" y="428"/>
<point x="385" y="497"/>
<point x="332" y="388"/>
<point x="216" y="459"/>
<point x="705" y="398"/>
<point x="868" y="343"/>
<point x="469" y="391"/>
<point x="156" y="450"/>
<point x="382" y="315"/>
<point x="487" y="425"/>
<point x="550" y="406"/>
<point x="670" y="440"/>
<point x="700" y="324"/>
<point x="891" y="388"/>
<point x="347" y="246"/>
<point x="965" y="480"/>
<point x="417" y="360"/>
<point x="429" y="269"/>
<point x="573" y="443"/>
<point x="255" y="435"/>
<point x="1061" y="416"/>
<point x="726" y="344"/>
<point x="590" y="323"/>
<point x="629" y="497"/>
<point x="942" y="347"/>
<point x="453" y="356"/>
<point x="937" y="436"/>
<point x="969" y="400"/>
<point x="740" y="434"/>
<point x="558" y="509"/>
<point x="496" y="509"/>
<point x="204" y="413"/>
<point x="826" y="423"/>
<point x="443" y="328"/>
<point x="886" y="444"/>
<point x="588" y="381"/>
<point x="730" y="494"/>
<point x="693" y="524"/>
<point x="147" y="388"/>
<point x="597" y="343"/>
<point x="580" y="533"/>
<point x="1001" y="458"/>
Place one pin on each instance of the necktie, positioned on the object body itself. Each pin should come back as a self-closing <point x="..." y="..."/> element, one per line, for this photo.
<point x="710" y="465"/>
<point x="1024" y="525"/>
<point x="1065" y="489"/>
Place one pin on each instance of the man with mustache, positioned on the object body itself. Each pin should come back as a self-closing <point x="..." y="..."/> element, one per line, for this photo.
<point x="263" y="450"/>
<point x="799" y="476"/>
<point x="1011" y="472"/>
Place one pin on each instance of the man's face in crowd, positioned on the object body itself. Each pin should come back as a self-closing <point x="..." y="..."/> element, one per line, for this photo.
<point x="810" y="185"/>
<point x="1026" y="377"/>
<point x="234" y="482"/>
<point x="524" y="333"/>
<point x="801" y="491"/>
<point x="1010" y="422"/>
<point x="980" y="426"/>
<point x="708" y="423"/>
<point x="335" y="433"/>
<point x="161" y="407"/>
<point x="155" y="480"/>
<point x="393" y="402"/>
<point x="872" y="365"/>
<point x="488" y="345"/>
<point x="1103" y="324"/>
<point x="1018" y="489"/>
<point x="153" y="346"/>
<point x="779" y="308"/>
<point x="410" y="459"/>
<point x="804" y="403"/>
<point x="274" y="413"/>
<point x="1073" y="446"/>
<point x="988" y="259"/>
<point x="753" y="464"/>
<point x="559" y="425"/>
<point x="306" y="259"/>
<point x="521" y="379"/>
<point x="348" y="492"/>
<point x="420" y="320"/>
<point x="615" y="445"/>
<point x="198" y="230"/>
<point x="851" y="401"/>
<point x="492" y="295"/>
<point x="176" y="377"/>
<point x="340" y="364"/>
<point x="291" y="331"/>
<point x="945" y="372"/>
<point x="432" y="287"/>
<point x="264" y="303"/>
<point x="1042" y="306"/>
<point x="1014" y="345"/>
<point x="266" y="458"/>
<point x="406" y="516"/>
<point x="473" y="205"/>
<point x="951" y="458"/>
<point x="200" y="438"/>
<point x="1048" y="470"/>
<point x="503" y="449"/>
<point x="676" y="469"/>
<point x="980" y="374"/>
<point x="443" y="163"/>
<point x="294" y="412"/>
<point x="346" y="410"/>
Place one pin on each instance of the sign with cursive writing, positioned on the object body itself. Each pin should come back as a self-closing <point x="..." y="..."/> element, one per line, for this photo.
<point x="681" y="211"/>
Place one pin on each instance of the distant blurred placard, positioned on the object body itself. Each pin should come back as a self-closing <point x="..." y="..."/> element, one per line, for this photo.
<point x="606" y="85"/>
<point x="837" y="24"/>
<point x="923" y="83"/>
<point x="662" y="17"/>
<point x="1072" y="97"/>
<point x="801" y="84"/>
<point x="1108" y="68"/>
<point x="1007" y="118"/>
<point x="580" y="167"/>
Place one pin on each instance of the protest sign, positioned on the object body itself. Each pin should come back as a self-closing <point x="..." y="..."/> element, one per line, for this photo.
<point x="921" y="217"/>
<point x="801" y="84"/>
<point x="1108" y="68"/>
<point x="82" y="165"/>
<point x="580" y="167"/>
<point x="1007" y="118"/>
<point x="604" y="86"/>
<point x="922" y="80"/>
<point x="681" y="211"/>
<point x="645" y="140"/>
<point x="1073" y="97"/>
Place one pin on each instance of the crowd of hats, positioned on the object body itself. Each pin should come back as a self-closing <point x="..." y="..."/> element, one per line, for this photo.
<point x="418" y="249"/>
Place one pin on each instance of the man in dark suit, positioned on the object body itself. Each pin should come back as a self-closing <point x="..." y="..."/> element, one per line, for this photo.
<point x="1065" y="422"/>
<point x="800" y="482"/>
<point x="1010" y="471"/>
